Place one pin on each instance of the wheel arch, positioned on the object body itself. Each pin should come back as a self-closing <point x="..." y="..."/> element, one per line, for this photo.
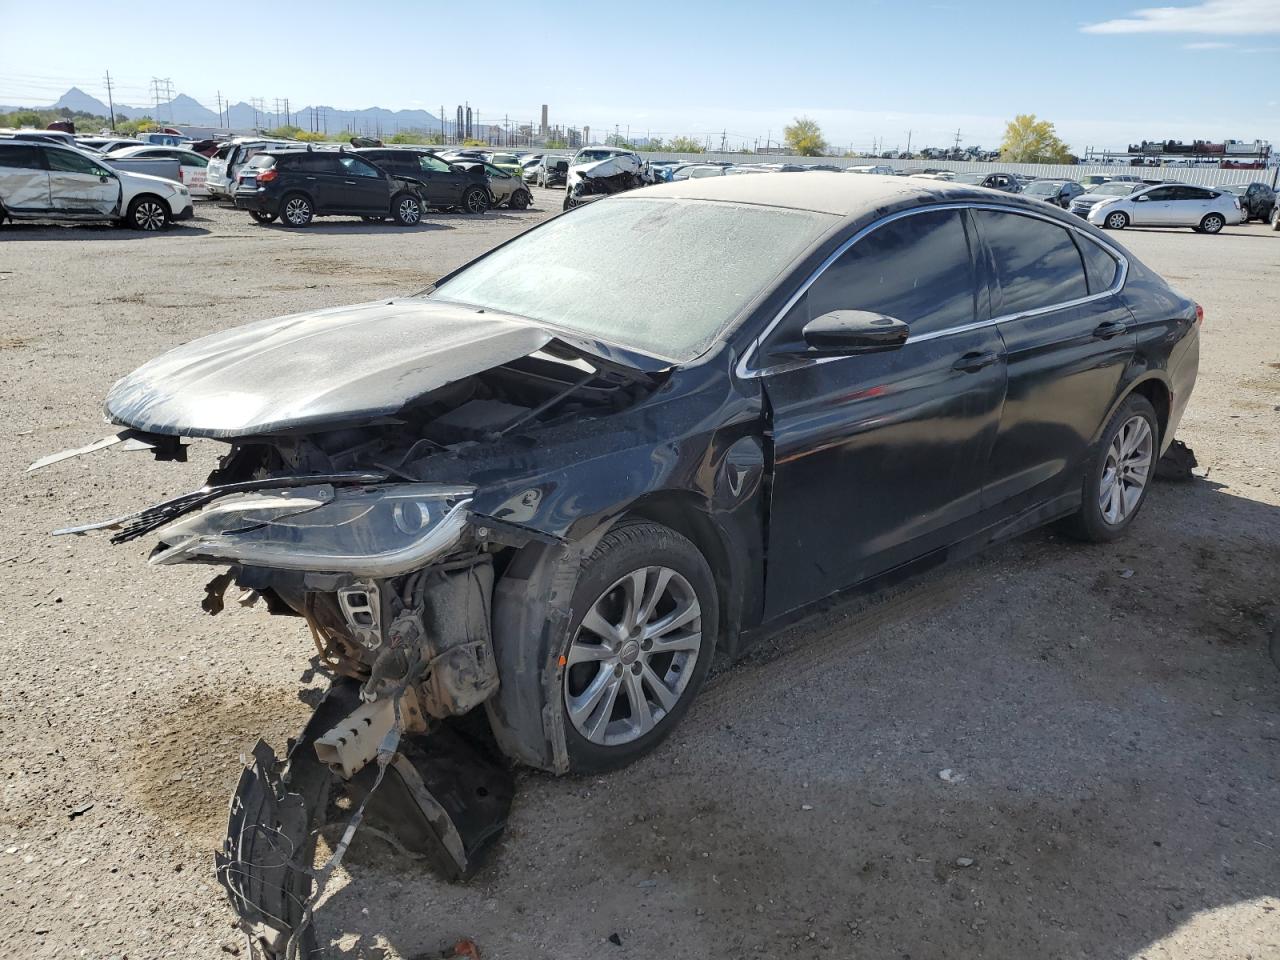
<point x="1154" y="387"/>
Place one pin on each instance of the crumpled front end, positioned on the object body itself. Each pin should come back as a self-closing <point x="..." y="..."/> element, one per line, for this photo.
<point x="353" y="505"/>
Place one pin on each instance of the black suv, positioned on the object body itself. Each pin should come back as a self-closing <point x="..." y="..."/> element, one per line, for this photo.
<point x="296" y="185"/>
<point x="446" y="185"/>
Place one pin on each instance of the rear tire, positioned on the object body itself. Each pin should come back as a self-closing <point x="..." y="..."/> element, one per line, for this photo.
<point x="520" y="200"/>
<point x="1116" y="221"/>
<point x="296" y="210"/>
<point x="1212" y="223"/>
<point x="1118" y="473"/>
<point x="475" y="200"/>
<point x="147" y="213"/>
<point x="644" y="588"/>
<point x="262" y="217"/>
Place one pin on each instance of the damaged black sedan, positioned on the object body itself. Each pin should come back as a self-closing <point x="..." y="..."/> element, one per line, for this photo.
<point x="557" y="484"/>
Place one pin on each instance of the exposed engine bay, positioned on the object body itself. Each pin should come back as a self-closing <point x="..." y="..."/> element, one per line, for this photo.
<point x="371" y="533"/>
<point x="604" y="177"/>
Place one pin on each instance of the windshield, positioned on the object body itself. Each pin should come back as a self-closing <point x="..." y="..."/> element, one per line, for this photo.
<point x="1114" y="189"/>
<point x="663" y="277"/>
<point x="970" y="177"/>
<point x="1044" y="187"/>
<point x="590" y="156"/>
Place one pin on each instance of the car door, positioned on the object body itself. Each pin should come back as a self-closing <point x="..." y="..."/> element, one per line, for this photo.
<point x="80" y="185"/>
<point x="878" y="458"/>
<point x="442" y="184"/>
<point x="1067" y="338"/>
<point x="24" y="181"/>
<point x="1153" y="208"/>
<point x="1189" y="205"/>
<point x="362" y="187"/>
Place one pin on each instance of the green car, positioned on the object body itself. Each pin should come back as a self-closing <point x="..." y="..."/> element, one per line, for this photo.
<point x="507" y="163"/>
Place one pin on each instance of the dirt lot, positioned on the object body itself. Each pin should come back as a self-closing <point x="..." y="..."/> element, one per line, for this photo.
<point x="1109" y="715"/>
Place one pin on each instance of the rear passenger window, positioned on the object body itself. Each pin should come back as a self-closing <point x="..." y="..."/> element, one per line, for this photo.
<point x="916" y="268"/>
<point x="1037" y="262"/>
<point x="1099" y="266"/>
<point x="21" y="156"/>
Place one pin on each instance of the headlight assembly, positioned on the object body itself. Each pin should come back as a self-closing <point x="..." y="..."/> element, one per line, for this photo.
<point x="380" y="531"/>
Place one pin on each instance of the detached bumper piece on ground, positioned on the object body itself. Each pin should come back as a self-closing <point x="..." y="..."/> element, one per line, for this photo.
<point x="439" y="796"/>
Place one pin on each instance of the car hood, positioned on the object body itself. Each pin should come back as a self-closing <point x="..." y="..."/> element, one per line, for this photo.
<point x="336" y="366"/>
<point x="146" y="179"/>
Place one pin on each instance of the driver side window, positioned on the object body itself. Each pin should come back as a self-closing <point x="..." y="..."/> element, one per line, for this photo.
<point x="68" y="162"/>
<point x="916" y="268"/>
<point x="432" y="164"/>
<point x="358" y="168"/>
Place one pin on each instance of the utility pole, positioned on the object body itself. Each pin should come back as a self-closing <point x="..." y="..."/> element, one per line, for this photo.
<point x="723" y="134"/>
<point x="957" y="139"/>
<point x="111" y="105"/>
<point x="259" y="108"/>
<point x="909" y="132"/>
<point x="288" y="117"/>
<point x="219" y="108"/>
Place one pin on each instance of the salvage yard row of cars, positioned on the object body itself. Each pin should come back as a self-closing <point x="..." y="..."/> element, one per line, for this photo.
<point x="53" y="175"/>
<point x="551" y="506"/>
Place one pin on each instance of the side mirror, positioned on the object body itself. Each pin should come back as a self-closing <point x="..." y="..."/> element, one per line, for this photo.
<point x="454" y="168"/>
<point x="848" y="332"/>
<point x="1142" y="199"/>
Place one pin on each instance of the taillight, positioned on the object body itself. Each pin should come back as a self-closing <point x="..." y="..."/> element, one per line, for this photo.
<point x="1199" y="315"/>
<point x="266" y="176"/>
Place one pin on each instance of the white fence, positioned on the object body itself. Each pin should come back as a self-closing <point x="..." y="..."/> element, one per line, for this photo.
<point x="1207" y="176"/>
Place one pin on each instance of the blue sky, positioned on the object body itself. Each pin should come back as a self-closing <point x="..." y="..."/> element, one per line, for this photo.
<point x="1104" y="73"/>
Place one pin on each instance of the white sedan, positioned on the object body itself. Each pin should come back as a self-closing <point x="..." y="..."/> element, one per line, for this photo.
<point x="1203" y="209"/>
<point x="192" y="166"/>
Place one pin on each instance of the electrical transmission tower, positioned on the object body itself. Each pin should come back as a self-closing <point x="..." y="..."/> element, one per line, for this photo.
<point x="162" y="93"/>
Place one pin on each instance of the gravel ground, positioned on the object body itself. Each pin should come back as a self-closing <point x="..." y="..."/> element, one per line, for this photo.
<point x="1108" y="713"/>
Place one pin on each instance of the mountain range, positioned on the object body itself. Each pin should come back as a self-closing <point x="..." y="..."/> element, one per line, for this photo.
<point x="186" y="111"/>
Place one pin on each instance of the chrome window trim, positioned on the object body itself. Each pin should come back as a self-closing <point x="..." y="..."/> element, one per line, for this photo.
<point x="745" y="371"/>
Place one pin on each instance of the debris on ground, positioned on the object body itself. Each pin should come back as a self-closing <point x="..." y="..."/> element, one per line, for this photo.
<point x="1177" y="463"/>
<point x="950" y="776"/>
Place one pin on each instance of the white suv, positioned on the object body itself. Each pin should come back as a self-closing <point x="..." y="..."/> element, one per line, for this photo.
<point x="44" y="181"/>
<point x="1170" y="205"/>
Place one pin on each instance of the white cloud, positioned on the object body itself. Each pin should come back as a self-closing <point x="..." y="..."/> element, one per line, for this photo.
<point x="1207" y="45"/>
<point x="1233" y="17"/>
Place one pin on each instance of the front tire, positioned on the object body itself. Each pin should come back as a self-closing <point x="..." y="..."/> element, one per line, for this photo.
<point x="148" y="213"/>
<point x="639" y="646"/>
<point x="1116" y="221"/>
<point x="407" y="209"/>
<point x="261" y="217"/>
<point x="1212" y="223"/>
<point x="1119" y="473"/>
<point x="520" y="200"/>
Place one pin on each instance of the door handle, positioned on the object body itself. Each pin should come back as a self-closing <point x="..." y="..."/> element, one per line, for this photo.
<point x="310" y="178"/>
<point x="974" y="361"/>
<point x="1109" y="328"/>
<point x="351" y="182"/>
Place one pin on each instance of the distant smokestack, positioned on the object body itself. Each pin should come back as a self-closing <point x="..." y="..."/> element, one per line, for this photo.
<point x="545" y="125"/>
<point x="586" y="135"/>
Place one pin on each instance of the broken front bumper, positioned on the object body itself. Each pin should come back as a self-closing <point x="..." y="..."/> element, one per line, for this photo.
<point x="443" y="797"/>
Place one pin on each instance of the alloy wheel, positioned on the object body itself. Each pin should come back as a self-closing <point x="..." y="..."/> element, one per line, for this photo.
<point x="410" y="213"/>
<point x="633" y="656"/>
<point x="1212" y="224"/>
<point x="297" y="211"/>
<point x="1126" y="470"/>
<point x="1117" y="221"/>
<point x="149" y="215"/>
<point x="476" y="201"/>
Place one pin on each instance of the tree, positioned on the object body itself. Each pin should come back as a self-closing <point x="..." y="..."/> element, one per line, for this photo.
<point x="1028" y="140"/>
<point x="804" y="136"/>
<point x="685" y="145"/>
